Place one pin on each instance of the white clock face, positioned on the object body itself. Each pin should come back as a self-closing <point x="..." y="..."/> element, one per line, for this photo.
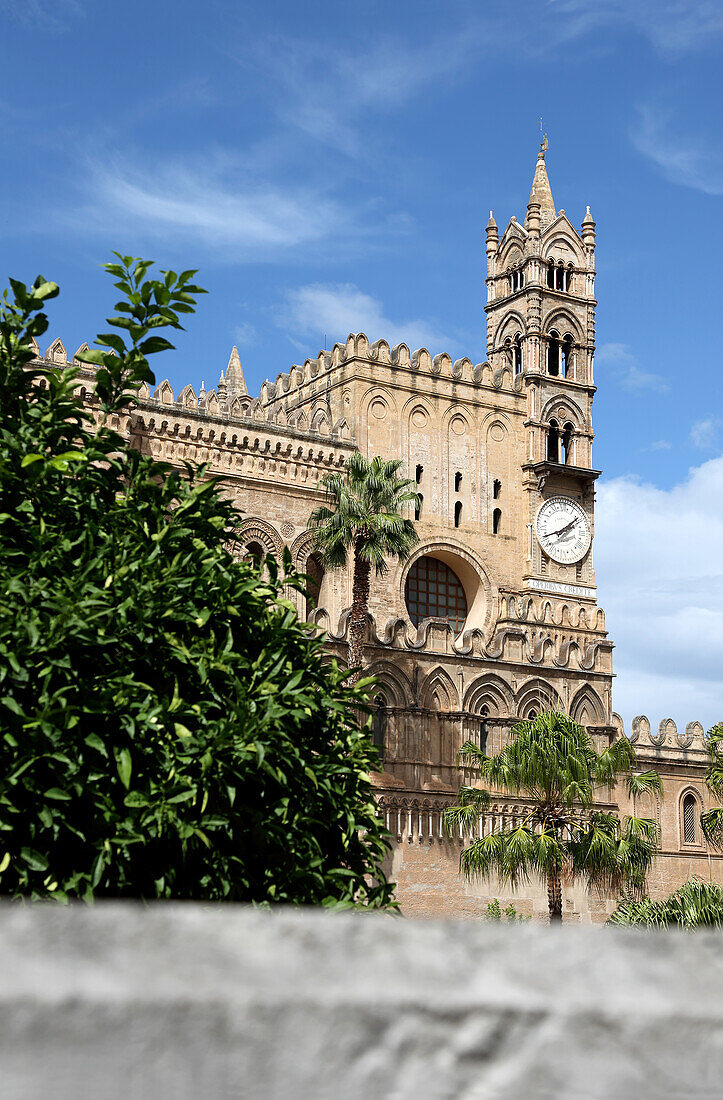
<point x="562" y="530"/>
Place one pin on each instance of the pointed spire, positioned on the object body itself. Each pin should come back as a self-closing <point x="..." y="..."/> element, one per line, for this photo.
<point x="541" y="191"/>
<point x="234" y="373"/>
<point x="491" y="224"/>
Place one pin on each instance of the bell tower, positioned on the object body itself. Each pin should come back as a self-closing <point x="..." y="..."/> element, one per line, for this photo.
<point x="541" y="328"/>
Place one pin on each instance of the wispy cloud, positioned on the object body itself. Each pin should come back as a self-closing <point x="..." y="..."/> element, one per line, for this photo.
<point x="704" y="433"/>
<point x="245" y="333"/>
<point x="659" y="575"/>
<point x="672" y="27"/>
<point x="627" y="371"/>
<point x="685" y="158"/>
<point x="328" y="94"/>
<point x="216" y="207"/>
<point x="335" y="310"/>
<point x="49" y="15"/>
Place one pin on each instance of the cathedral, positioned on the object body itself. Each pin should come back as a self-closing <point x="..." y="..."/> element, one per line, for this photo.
<point x="495" y="616"/>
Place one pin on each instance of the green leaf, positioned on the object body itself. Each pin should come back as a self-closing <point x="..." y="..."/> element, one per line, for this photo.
<point x="57" y="793"/>
<point x="124" y="765"/>
<point x="35" y="860"/>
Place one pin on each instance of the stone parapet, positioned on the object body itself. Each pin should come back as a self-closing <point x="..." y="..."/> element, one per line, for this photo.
<point x="183" y="1001"/>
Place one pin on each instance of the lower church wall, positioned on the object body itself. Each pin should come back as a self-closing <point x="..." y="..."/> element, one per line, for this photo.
<point x="430" y="885"/>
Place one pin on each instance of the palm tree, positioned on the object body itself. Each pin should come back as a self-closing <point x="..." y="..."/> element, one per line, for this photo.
<point x="695" y="904"/>
<point x="552" y="763"/>
<point x="364" y="515"/>
<point x="712" y="821"/>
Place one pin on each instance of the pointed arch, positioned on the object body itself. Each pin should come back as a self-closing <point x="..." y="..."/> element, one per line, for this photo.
<point x="320" y="421"/>
<point x="438" y="691"/>
<point x="512" y="322"/>
<point x="562" y="408"/>
<point x="392" y="682"/>
<point x="587" y="707"/>
<point x="562" y="320"/>
<point x="492" y="692"/>
<point x="690" y="807"/>
<point x="56" y="353"/>
<point x="536" y="696"/>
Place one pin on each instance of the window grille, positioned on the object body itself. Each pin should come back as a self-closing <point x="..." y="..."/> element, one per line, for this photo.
<point x="433" y="591"/>
<point x="689" y="808"/>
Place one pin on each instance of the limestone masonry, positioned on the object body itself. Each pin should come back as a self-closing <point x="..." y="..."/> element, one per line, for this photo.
<point x="495" y="615"/>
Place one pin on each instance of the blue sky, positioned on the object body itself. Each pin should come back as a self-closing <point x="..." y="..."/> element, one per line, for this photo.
<point x="331" y="167"/>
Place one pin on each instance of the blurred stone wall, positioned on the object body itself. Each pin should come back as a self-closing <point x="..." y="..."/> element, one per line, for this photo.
<point x="186" y="1001"/>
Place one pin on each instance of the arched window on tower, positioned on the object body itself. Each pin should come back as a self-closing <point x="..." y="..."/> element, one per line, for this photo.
<point x="517" y="280"/>
<point x="418" y="506"/>
<point x="567" y="355"/>
<point x="568" y="278"/>
<point x="517" y="353"/>
<point x="458" y="513"/>
<point x="496" y="521"/>
<point x="418" y="474"/>
<point x="457" y="482"/>
<point x="551" y="275"/>
<point x="553" y="353"/>
<point x="553" y="442"/>
<point x="567" y="444"/>
<point x="560" y="277"/>
<point x="496" y="489"/>
<point x="689" y="808"/>
<point x="379" y="723"/>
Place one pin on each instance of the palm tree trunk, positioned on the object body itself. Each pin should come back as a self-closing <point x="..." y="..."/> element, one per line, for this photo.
<point x="359" y="611"/>
<point x="554" y="896"/>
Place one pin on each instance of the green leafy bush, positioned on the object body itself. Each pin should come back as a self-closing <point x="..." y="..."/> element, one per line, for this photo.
<point x="168" y="728"/>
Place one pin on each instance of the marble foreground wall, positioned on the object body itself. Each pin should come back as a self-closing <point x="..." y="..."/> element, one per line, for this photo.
<point x="182" y="1001"/>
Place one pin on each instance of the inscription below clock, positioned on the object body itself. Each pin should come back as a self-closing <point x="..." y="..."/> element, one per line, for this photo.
<point x="562" y="530"/>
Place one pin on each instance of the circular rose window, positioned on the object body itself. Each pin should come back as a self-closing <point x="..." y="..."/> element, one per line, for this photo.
<point x="434" y="591"/>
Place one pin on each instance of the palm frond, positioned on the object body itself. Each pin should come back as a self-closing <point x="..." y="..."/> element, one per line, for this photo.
<point x="641" y="783"/>
<point x="711" y="823"/>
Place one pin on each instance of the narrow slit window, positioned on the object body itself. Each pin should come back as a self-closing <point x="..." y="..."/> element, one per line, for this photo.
<point x="457" y="482"/>
<point x="458" y="513"/>
<point x="496" y="489"/>
<point x="418" y="474"/>
<point x="496" y="521"/>
<point x="418" y="506"/>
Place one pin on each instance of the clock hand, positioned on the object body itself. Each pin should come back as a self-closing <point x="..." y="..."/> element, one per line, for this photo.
<point x="565" y="526"/>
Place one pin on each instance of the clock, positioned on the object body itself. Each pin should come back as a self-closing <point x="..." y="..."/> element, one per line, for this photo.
<point x="562" y="530"/>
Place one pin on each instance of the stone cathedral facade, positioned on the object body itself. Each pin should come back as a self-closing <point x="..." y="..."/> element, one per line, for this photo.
<point x="495" y="616"/>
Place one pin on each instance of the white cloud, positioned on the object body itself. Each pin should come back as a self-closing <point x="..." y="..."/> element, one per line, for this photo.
<point x="704" y="433"/>
<point x="689" y="159"/>
<point x="216" y="207"/>
<point x="659" y="572"/>
<point x="244" y="333"/>
<point x="660" y="445"/>
<point x="335" y="310"/>
<point x="627" y="371"/>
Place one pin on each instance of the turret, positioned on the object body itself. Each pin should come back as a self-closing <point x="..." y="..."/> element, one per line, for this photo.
<point x="493" y="240"/>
